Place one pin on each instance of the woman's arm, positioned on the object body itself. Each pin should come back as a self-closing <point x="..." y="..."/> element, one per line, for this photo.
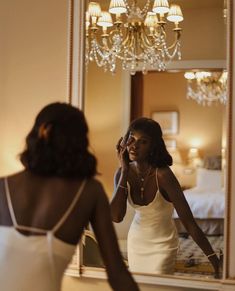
<point x="118" y="274"/>
<point x="118" y="204"/>
<point x="169" y="184"/>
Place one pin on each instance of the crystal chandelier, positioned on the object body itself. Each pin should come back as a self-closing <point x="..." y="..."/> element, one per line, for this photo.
<point x="207" y="88"/>
<point x="135" y="36"/>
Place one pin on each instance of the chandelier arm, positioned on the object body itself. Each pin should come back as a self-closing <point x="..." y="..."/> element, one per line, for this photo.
<point x="172" y="55"/>
<point x="103" y="47"/>
<point x="146" y="42"/>
<point x="128" y="40"/>
<point x="117" y="30"/>
<point x="102" y="52"/>
<point x="96" y="57"/>
<point x="124" y="39"/>
<point x="177" y="39"/>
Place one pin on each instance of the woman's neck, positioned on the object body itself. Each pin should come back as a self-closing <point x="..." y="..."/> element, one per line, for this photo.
<point x="142" y="166"/>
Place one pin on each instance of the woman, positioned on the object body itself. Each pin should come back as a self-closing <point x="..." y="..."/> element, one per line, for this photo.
<point x="45" y="208"/>
<point x="152" y="189"/>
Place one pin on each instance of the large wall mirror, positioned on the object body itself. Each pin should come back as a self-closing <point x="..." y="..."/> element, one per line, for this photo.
<point x="108" y="104"/>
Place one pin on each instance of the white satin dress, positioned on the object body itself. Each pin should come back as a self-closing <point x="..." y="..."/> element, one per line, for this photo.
<point x="35" y="262"/>
<point x="152" y="241"/>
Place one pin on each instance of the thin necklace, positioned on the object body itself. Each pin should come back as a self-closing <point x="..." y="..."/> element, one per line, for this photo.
<point x="143" y="179"/>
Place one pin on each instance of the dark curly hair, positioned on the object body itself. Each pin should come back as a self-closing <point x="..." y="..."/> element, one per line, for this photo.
<point x="159" y="156"/>
<point x="58" y="144"/>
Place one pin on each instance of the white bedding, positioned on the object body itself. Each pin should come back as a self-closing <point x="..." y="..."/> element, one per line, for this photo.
<point x="205" y="202"/>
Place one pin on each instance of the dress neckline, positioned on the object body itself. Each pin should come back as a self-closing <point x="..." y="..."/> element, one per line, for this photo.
<point x="151" y="202"/>
<point x="145" y="205"/>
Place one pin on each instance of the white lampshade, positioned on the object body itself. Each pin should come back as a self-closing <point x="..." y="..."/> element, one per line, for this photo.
<point x="161" y="6"/>
<point x="224" y="77"/>
<point x="151" y="20"/>
<point x="94" y="9"/>
<point x="105" y="20"/>
<point x="175" y="14"/>
<point x="202" y="75"/>
<point x="117" y="7"/>
<point x="189" y="75"/>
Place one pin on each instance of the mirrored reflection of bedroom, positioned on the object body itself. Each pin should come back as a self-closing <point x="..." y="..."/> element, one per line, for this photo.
<point x="197" y="148"/>
<point x="195" y="135"/>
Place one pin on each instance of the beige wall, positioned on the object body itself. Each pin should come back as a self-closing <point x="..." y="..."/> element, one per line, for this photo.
<point x="33" y="59"/>
<point x="104" y="110"/>
<point x="203" y="36"/>
<point x="198" y="126"/>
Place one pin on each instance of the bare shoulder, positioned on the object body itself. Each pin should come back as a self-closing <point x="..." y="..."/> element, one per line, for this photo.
<point x="166" y="177"/>
<point x="95" y="188"/>
<point x="94" y="183"/>
<point x="164" y="172"/>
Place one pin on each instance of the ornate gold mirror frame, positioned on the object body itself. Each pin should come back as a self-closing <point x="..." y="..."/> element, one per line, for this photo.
<point x="76" y="96"/>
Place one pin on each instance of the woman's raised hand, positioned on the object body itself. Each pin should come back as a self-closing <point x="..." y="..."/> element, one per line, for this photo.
<point x="122" y="152"/>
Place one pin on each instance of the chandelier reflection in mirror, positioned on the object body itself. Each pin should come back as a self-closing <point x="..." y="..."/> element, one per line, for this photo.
<point x="207" y="88"/>
<point x="135" y="36"/>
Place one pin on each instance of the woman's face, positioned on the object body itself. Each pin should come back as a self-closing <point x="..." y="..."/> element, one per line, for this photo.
<point x="139" y="147"/>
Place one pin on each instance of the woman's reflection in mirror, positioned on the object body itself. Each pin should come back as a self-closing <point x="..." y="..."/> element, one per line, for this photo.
<point x="151" y="188"/>
<point x="45" y="207"/>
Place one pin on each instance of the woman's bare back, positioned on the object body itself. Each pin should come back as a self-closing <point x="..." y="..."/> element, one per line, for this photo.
<point x="40" y="202"/>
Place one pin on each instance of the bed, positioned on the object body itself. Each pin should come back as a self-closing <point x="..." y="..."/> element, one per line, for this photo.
<point x="207" y="202"/>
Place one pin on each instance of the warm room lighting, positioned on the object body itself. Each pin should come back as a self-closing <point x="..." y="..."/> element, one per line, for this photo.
<point x="193" y="153"/>
<point x="135" y="36"/>
<point x="194" y="157"/>
<point x="207" y="88"/>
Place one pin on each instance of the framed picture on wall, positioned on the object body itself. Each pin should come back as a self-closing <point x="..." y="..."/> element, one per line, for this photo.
<point x="168" y="121"/>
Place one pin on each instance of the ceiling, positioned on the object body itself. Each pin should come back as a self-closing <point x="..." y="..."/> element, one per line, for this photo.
<point x="185" y="4"/>
<point x="199" y="3"/>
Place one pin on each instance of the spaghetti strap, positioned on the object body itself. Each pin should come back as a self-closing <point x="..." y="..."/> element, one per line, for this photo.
<point x="12" y="213"/>
<point x="9" y="203"/>
<point x="35" y="229"/>
<point x="69" y="210"/>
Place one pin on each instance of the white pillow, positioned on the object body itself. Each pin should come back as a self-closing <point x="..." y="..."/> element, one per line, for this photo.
<point x="209" y="179"/>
